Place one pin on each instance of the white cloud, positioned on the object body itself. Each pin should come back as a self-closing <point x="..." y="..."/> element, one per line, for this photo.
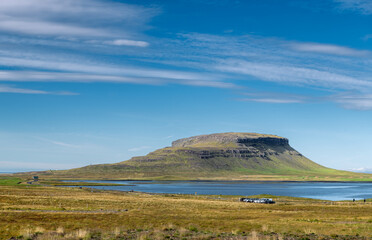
<point x="214" y="84"/>
<point x="8" y="89"/>
<point x="367" y="37"/>
<point x="362" y="170"/>
<point x="201" y="60"/>
<point x="272" y="100"/>
<point x="348" y="100"/>
<point x="38" y="76"/>
<point x="78" y="64"/>
<point x="126" y="42"/>
<point x="283" y="73"/>
<point x="354" y="101"/>
<point x="84" y="18"/>
<point x="361" y="6"/>
<point x="77" y="69"/>
<point x="136" y="76"/>
<point x="328" y="49"/>
<point x="11" y="89"/>
<point x="47" y="28"/>
<point x="268" y="59"/>
<point x="273" y="97"/>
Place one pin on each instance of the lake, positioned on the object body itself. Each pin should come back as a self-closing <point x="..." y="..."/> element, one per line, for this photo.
<point x="318" y="190"/>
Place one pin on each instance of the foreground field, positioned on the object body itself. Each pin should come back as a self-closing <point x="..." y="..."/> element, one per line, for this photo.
<point x="40" y="212"/>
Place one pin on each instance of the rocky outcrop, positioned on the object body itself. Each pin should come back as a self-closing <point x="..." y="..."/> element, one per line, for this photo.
<point x="270" y="141"/>
<point x="239" y="139"/>
<point x="244" y="153"/>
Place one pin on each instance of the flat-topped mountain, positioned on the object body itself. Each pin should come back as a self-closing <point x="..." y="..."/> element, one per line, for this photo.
<point x="224" y="156"/>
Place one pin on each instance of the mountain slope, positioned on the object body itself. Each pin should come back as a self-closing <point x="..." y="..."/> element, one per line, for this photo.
<point x="232" y="156"/>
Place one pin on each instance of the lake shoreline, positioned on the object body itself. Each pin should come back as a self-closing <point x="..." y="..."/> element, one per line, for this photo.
<point x="333" y="191"/>
<point x="263" y="181"/>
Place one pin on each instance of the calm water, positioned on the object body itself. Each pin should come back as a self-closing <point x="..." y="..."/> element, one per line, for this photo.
<point x="318" y="190"/>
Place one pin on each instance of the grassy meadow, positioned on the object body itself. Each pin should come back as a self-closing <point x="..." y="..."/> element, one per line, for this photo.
<point x="239" y="175"/>
<point x="76" y="184"/>
<point x="49" y="212"/>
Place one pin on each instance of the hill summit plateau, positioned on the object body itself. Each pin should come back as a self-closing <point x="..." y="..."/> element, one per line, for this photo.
<point x="221" y="156"/>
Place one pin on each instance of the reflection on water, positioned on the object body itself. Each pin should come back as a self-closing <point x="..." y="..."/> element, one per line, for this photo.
<point x="318" y="190"/>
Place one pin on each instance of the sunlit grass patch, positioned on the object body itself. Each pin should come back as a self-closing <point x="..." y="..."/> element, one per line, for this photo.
<point x="9" y="181"/>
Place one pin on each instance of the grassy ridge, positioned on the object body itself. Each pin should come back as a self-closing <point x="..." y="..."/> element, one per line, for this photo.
<point x="14" y="181"/>
<point x="72" y="213"/>
<point x="60" y="183"/>
<point x="178" y="164"/>
<point x="226" y="156"/>
<point x="9" y="181"/>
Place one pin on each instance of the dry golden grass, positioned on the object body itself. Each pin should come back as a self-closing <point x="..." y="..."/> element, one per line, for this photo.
<point x="70" y="213"/>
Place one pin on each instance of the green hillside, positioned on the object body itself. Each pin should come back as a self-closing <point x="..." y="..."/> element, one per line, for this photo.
<point x="224" y="156"/>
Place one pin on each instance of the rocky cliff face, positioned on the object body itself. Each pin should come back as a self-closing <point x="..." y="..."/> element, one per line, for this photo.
<point x="244" y="153"/>
<point x="269" y="141"/>
<point x="242" y="139"/>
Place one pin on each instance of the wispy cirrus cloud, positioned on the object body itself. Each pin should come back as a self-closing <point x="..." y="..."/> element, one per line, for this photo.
<point x="76" y="20"/>
<point x="135" y="76"/>
<point x="361" y="6"/>
<point x="48" y="28"/>
<point x="207" y="60"/>
<point x="81" y="34"/>
<point x="367" y="37"/>
<point x="77" y="68"/>
<point x="70" y="27"/>
<point x="126" y="42"/>
<point x="333" y="69"/>
<point x="11" y="89"/>
<point x="348" y="100"/>
<point x="286" y="73"/>
<point x="354" y="101"/>
<point x="273" y="97"/>
<point x="329" y="49"/>
<point x="272" y="100"/>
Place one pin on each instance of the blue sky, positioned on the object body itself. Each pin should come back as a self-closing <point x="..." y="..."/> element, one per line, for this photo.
<point x="90" y="81"/>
